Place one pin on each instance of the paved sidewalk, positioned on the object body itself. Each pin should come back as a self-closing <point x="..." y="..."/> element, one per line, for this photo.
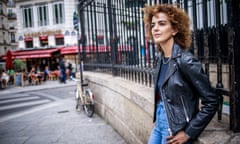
<point x="55" y="123"/>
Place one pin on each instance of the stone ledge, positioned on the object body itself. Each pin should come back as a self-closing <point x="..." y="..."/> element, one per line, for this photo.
<point x="125" y="105"/>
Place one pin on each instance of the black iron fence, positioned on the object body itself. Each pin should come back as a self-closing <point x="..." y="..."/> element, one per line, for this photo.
<point x="113" y="41"/>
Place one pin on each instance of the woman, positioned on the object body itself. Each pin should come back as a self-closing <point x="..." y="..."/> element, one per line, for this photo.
<point x="179" y="79"/>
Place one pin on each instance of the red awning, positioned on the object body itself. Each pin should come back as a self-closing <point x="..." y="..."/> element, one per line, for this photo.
<point x="43" y="37"/>
<point x="59" y="36"/>
<point x="74" y="49"/>
<point x="40" y="53"/>
<point x="28" y="39"/>
<point x="69" y="50"/>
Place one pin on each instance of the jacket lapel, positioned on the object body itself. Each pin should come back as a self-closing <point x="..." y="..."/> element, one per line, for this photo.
<point x="172" y="67"/>
<point x="156" y="75"/>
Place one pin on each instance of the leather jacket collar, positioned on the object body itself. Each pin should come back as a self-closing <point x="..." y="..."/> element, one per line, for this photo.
<point x="176" y="52"/>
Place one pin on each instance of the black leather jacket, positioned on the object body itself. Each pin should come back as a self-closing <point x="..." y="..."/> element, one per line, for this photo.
<point x="184" y="84"/>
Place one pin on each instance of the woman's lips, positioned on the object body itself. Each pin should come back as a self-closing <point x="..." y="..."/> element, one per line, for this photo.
<point x="157" y="35"/>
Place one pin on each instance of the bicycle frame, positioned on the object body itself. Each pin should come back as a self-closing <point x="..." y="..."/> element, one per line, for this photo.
<point x="84" y="98"/>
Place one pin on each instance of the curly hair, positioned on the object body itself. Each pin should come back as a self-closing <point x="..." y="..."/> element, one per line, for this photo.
<point x="178" y="18"/>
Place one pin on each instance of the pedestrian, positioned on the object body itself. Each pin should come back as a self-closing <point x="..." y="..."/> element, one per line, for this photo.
<point x="11" y="76"/>
<point x="179" y="79"/>
<point x="46" y="73"/>
<point x="32" y="75"/>
<point x="4" y="78"/>
<point x="62" y="70"/>
<point x="70" y="70"/>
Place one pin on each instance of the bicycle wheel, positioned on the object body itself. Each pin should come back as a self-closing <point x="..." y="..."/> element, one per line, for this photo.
<point x="89" y="105"/>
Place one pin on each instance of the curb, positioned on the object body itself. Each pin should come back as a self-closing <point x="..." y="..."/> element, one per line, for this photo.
<point x="16" y="89"/>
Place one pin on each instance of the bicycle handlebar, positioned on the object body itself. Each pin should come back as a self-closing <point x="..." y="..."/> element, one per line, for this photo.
<point x="78" y="80"/>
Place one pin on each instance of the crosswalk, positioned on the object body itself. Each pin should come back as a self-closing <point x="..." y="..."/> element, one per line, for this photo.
<point x="15" y="103"/>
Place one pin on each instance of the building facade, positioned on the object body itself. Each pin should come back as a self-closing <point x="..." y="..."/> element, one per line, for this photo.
<point x="12" y="24"/>
<point x="44" y="29"/>
<point x="7" y="28"/>
<point x="4" y="39"/>
<point x="45" y="24"/>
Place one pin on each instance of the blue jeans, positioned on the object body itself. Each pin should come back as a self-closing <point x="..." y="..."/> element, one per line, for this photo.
<point x="160" y="131"/>
<point x="62" y="76"/>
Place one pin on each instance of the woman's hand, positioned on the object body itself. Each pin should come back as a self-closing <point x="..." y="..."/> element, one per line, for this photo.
<point x="180" y="138"/>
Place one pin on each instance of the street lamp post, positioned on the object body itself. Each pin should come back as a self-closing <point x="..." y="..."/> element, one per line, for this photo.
<point x="76" y="27"/>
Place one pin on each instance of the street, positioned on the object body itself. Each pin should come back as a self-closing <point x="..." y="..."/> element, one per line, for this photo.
<point x="11" y="104"/>
<point x="49" y="116"/>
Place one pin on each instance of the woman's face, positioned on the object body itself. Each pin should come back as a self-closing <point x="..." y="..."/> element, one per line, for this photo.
<point x="161" y="28"/>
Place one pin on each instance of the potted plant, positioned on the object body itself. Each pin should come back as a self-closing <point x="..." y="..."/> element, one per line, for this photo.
<point x="19" y="66"/>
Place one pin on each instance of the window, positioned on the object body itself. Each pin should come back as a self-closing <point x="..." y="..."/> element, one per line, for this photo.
<point x="11" y="24"/>
<point x="12" y="37"/>
<point x="1" y="8"/>
<point x="42" y="12"/>
<point x="20" y="38"/>
<point x="10" y="11"/>
<point x="67" y="33"/>
<point x="3" y="33"/>
<point x="59" y="41"/>
<point x="43" y="41"/>
<point x="2" y="22"/>
<point x="29" y="44"/>
<point x="27" y="17"/>
<point x="58" y="13"/>
<point x="73" y="33"/>
<point x="100" y="39"/>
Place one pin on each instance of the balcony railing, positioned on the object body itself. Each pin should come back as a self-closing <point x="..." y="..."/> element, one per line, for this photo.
<point x="12" y="15"/>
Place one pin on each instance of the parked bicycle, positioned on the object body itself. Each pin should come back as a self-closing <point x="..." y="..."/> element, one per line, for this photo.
<point x="84" y="98"/>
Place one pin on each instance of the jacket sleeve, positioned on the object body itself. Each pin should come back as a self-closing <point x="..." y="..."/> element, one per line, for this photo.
<point x="192" y="69"/>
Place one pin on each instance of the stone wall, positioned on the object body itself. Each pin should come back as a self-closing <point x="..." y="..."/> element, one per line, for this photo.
<point x="125" y="105"/>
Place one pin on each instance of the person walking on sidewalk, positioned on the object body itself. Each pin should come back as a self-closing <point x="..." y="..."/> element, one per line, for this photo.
<point x="62" y="70"/>
<point x="70" y="68"/>
<point x="179" y="79"/>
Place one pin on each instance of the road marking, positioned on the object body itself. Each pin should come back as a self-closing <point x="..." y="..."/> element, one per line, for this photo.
<point x="13" y="96"/>
<point x="48" y="96"/>
<point x="19" y="99"/>
<point x="23" y="104"/>
<point x="36" y="109"/>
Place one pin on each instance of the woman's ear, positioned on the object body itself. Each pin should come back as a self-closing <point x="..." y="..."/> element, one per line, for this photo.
<point x="174" y="32"/>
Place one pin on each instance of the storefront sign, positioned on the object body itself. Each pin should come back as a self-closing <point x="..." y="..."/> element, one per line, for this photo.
<point x="37" y="34"/>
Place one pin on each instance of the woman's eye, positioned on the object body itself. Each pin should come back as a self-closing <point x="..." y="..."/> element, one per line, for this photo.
<point x="152" y="25"/>
<point x="162" y="23"/>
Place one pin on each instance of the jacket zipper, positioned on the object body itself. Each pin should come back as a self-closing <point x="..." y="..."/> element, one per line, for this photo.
<point x="184" y="109"/>
<point x="169" y="129"/>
